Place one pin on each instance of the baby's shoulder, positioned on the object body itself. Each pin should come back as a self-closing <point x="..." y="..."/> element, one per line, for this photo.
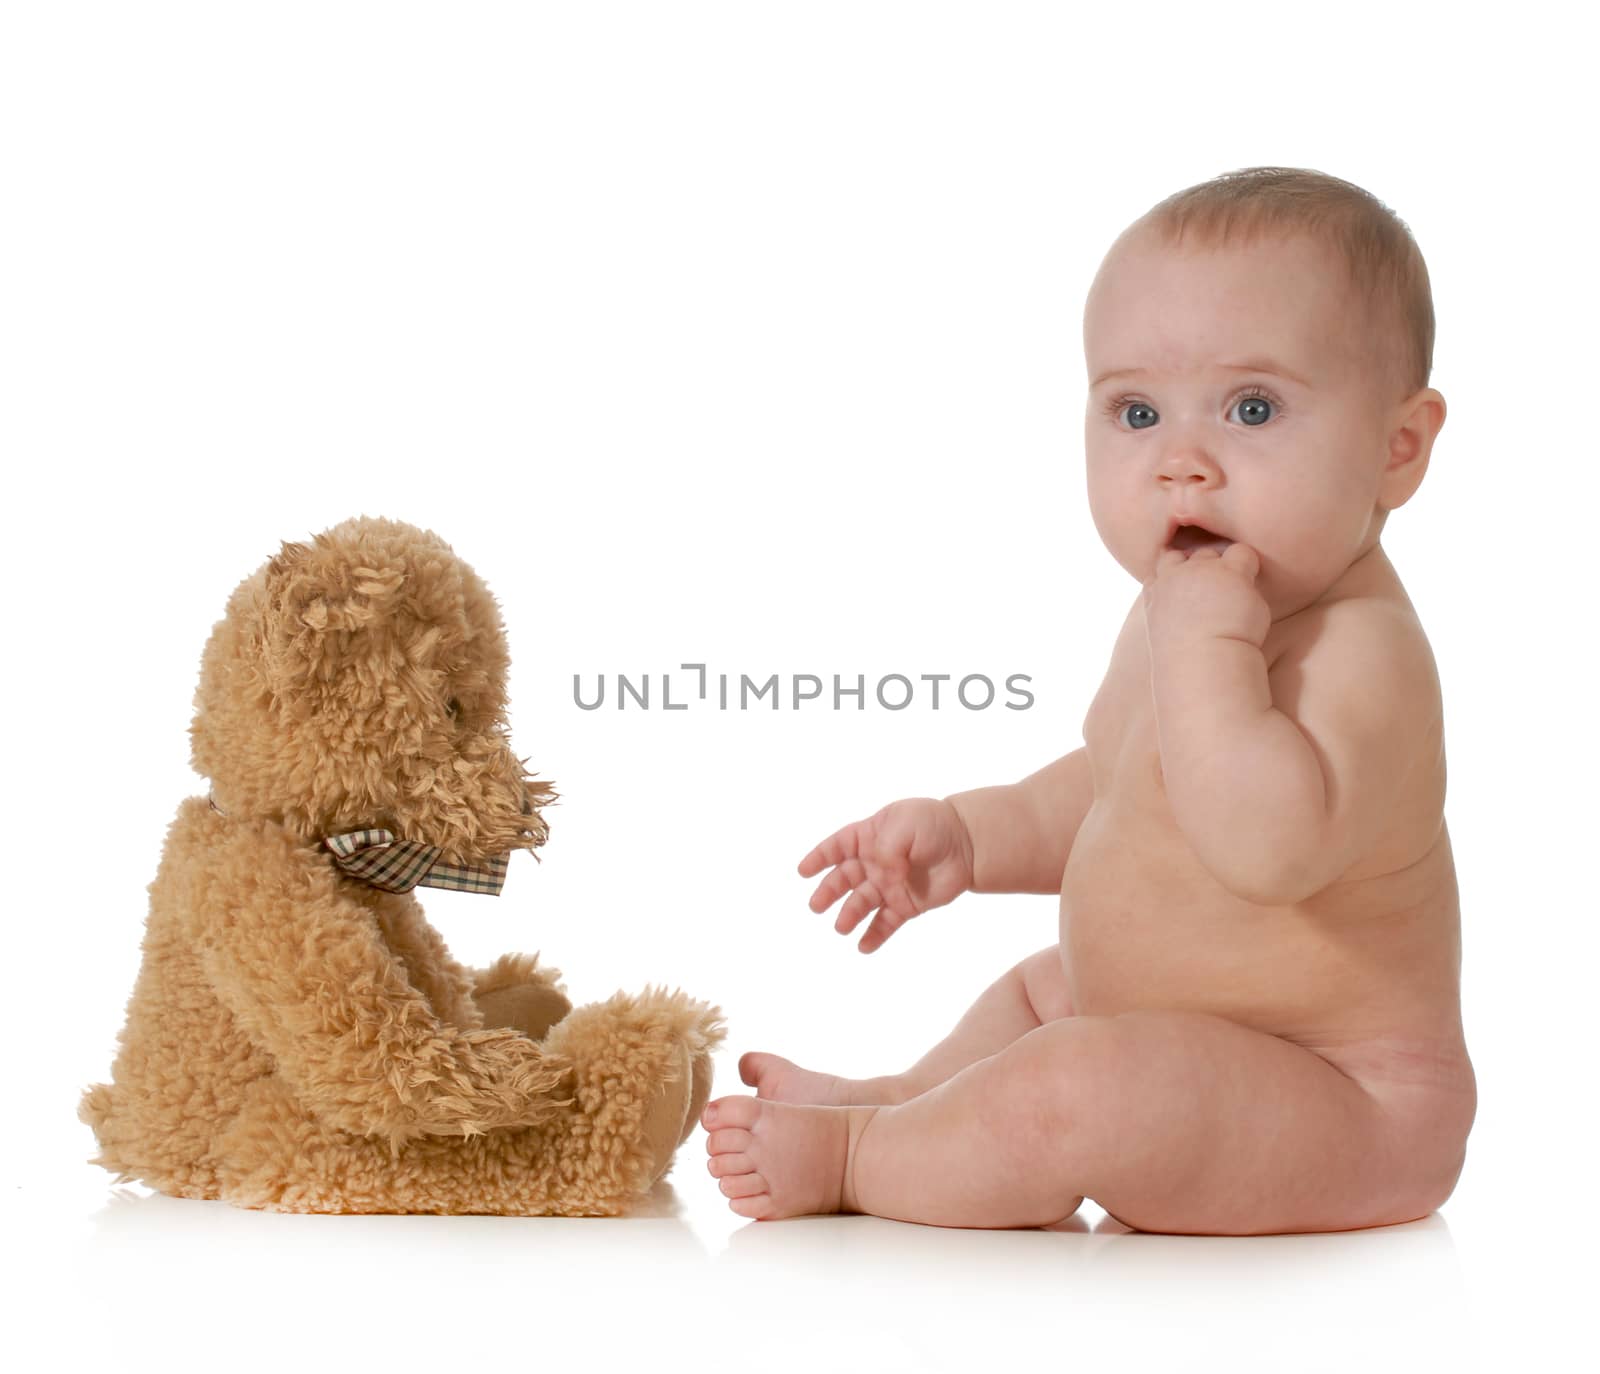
<point x="1371" y="644"/>
<point x="1363" y="623"/>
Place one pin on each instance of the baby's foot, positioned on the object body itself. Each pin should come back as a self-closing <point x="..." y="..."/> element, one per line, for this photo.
<point x="777" y="1079"/>
<point x="782" y="1159"/>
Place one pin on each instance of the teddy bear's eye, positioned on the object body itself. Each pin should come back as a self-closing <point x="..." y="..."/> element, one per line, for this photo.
<point x="453" y="709"/>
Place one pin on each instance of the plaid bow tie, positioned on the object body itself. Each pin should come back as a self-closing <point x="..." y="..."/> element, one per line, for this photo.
<point x="396" y="865"/>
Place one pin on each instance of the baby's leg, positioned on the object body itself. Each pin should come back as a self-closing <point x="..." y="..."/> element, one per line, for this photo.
<point x="1171" y="1121"/>
<point x="1021" y="1000"/>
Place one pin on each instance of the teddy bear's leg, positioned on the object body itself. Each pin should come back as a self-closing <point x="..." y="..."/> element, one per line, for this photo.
<point x="514" y="991"/>
<point x="140" y="1142"/>
<point x="633" y="1083"/>
<point x="651" y="1052"/>
<point x="277" y="1157"/>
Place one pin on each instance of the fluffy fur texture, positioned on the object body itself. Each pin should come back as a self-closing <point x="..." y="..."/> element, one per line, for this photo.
<point x="299" y="1041"/>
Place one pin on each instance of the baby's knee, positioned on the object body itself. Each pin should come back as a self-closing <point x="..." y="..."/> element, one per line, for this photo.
<point x="1055" y="1080"/>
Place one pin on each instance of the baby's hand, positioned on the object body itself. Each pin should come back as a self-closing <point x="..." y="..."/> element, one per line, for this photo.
<point x="1203" y="595"/>
<point x="910" y="857"/>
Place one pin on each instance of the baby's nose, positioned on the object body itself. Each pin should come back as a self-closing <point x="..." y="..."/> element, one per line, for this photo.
<point x="1188" y="463"/>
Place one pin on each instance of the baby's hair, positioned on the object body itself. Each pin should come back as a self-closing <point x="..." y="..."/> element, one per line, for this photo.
<point x="1385" y="266"/>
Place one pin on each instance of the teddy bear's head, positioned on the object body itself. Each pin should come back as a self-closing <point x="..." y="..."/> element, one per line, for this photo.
<point x="360" y="681"/>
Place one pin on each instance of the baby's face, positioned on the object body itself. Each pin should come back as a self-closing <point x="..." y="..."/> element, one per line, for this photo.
<point x="1284" y="454"/>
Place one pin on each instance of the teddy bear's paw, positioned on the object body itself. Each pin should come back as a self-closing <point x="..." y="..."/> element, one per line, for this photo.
<point x="699" y="1092"/>
<point x="514" y="991"/>
<point x="509" y="970"/>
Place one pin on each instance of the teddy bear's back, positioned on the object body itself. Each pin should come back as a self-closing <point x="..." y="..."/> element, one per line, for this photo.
<point x="186" y="1061"/>
<point x="183" y="1061"/>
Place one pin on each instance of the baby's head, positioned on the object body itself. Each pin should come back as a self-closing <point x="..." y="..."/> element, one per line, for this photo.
<point x="1259" y="348"/>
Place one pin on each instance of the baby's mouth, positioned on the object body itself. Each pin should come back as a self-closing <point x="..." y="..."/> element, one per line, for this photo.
<point x="1188" y="537"/>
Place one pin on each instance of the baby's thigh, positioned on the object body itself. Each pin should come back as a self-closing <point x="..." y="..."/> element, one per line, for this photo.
<point x="1186" y="1122"/>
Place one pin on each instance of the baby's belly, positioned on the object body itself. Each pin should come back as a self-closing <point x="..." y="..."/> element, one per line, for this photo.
<point x="1145" y="926"/>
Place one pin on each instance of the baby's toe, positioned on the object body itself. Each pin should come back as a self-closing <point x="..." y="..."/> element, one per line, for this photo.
<point x="756" y="1067"/>
<point x="753" y="1208"/>
<point x="727" y="1141"/>
<point x="743" y="1185"/>
<point x="731" y="1111"/>
<point x="719" y="1166"/>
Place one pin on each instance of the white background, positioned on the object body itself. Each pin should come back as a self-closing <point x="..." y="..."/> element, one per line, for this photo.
<point x="749" y="335"/>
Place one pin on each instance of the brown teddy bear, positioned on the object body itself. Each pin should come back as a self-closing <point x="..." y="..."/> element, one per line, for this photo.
<point x="299" y="1039"/>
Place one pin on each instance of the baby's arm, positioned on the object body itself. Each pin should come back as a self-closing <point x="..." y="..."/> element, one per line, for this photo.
<point x="1283" y="778"/>
<point x="1023" y="831"/>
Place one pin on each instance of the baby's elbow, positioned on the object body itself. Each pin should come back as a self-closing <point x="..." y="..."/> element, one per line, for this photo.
<point x="1278" y="883"/>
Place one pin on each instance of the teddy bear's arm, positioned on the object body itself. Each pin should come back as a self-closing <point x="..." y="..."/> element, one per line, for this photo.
<point x="428" y="964"/>
<point x="512" y="992"/>
<point x="307" y="974"/>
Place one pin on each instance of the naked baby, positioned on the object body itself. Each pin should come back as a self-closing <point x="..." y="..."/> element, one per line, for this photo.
<point x="1252" y="1020"/>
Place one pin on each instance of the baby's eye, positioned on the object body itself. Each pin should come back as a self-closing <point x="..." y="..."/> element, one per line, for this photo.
<point x="1140" y="416"/>
<point x="1253" y="407"/>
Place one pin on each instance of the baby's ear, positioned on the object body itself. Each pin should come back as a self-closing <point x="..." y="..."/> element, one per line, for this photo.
<point x="315" y="598"/>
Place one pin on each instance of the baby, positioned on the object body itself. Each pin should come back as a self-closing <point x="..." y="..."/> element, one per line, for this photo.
<point x="1252" y="1020"/>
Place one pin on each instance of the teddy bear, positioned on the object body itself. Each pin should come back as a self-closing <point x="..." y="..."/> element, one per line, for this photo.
<point x="299" y="1038"/>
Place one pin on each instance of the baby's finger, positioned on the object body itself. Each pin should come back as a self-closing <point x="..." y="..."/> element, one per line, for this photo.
<point x="884" y="924"/>
<point x="1244" y="558"/>
<point x="1169" y="558"/>
<point x="836" y="884"/>
<point x="863" y="901"/>
<point x="835" y="849"/>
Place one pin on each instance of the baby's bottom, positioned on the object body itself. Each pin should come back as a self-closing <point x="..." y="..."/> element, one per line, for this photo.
<point x="1171" y="1121"/>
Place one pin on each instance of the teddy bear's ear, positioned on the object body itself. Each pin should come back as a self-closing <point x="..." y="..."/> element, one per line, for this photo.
<point x="284" y="561"/>
<point x="311" y="594"/>
<point x="306" y="588"/>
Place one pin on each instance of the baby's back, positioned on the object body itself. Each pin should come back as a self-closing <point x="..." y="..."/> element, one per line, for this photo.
<point x="1365" y="972"/>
